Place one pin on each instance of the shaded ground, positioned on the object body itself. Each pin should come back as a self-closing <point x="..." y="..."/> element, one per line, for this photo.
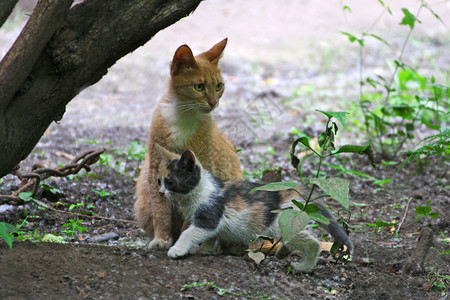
<point x="276" y="76"/>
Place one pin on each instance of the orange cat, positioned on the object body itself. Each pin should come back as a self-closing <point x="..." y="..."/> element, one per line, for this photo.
<point x="182" y="120"/>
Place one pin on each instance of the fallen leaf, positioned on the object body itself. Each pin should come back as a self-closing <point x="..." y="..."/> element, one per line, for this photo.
<point x="256" y="256"/>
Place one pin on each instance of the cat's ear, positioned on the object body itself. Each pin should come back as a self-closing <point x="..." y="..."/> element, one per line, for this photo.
<point x="214" y="54"/>
<point x="164" y="154"/>
<point x="182" y="60"/>
<point x="187" y="161"/>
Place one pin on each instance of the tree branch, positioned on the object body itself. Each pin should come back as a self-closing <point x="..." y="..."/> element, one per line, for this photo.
<point x="6" y="8"/>
<point x="20" y="59"/>
<point x="92" y="37"/>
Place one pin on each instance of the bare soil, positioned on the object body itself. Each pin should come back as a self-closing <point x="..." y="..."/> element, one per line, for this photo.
<point x="274" y="50"/>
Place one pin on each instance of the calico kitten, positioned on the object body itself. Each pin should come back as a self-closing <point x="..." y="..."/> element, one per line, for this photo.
<point x="182" y="120"/>
<point x="225" y="210"/>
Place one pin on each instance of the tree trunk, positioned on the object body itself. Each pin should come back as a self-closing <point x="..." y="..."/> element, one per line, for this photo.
<point x="62" y="51"/>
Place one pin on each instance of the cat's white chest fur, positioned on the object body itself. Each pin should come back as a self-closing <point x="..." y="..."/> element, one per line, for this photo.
<point x="181" y="127"/>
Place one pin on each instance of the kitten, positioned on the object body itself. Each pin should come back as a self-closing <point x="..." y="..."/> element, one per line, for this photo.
<point x="182" y="120"/>
<point x="225" y="210"/>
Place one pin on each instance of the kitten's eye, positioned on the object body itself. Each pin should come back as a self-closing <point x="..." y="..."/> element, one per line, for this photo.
<point x="169" y="183"/>
<point x="219" y="87"/>
<point x="159" y="182"/>
<point x="199" y="87"/>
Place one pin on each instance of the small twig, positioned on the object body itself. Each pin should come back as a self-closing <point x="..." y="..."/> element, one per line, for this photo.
<point x="11" y="200"/>
<point x="39" y="173"/>
<point x="37" y="180"/>
<point x="90" y="216"/>
<point x="404" y="216"/>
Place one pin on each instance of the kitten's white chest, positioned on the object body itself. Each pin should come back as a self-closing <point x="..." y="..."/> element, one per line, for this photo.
<point x="182" y="127"/>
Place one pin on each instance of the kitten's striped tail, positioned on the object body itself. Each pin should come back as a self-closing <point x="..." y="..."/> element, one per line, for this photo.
<point x="335" y="229"/>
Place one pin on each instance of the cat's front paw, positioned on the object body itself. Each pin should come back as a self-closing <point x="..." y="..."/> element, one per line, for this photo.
<point x="160" y="244"/>
<point x="176" y="252"/>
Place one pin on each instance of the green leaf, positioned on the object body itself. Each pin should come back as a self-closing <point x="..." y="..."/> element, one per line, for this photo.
<point x="404" y="111"/>
<point x="291" y="222"/>
<point x="380" y="224"/>
<point x="26" y="196"/>
<point x="409" y="19"/>
<point x="337" y="188"/>
<point x="341" y="116"/>
<point x="434" y="215"/>
<point x="433" y="13"/>
<point x="445" y="252"/>
<point x="40" y="203"/>
<point x="378" y="38"/>
<point x="276" y="186"/>
<point x="298" y="204"/>
<point x="311" y="208"/>
<point x="319" y="218"/>
<point x="51" y="189"/>
<point x="385" y="7"/>
<point x="5" y="230"/>
<point x="367" y="150"/>
<point x="353" y="38"/>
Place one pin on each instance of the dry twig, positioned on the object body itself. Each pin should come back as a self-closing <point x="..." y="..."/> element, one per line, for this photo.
<point x="31" y="180"/>
<point x="404" y="216"/>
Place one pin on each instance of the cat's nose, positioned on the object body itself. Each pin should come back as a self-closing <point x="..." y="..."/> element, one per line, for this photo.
<point x="212" y="103"/>
<point x="161" y="194"/>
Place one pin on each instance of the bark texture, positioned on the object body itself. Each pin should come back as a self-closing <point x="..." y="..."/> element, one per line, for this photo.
<point x="63" y="50"/>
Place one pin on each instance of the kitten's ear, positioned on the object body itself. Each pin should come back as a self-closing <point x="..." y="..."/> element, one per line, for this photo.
<point x="187" y="161"/>
<point x="182" y="60"/>
<point x="214" y="54"/>
<point x="164" y="154"/>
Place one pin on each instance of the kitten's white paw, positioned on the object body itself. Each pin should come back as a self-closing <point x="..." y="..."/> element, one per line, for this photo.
<point x="160" y="244"/>
<point x="176" y="252"/>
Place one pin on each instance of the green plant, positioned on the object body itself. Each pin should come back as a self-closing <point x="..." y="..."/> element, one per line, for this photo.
<point x="5" y="231"/>
<point x="28" y="197"/>
<point x="440" y="283"/>
<point x="397" y="105"/>
<point x="378" y="225"/>
<point x="33" y="236"/>
<point x="50" y="189"/>
<point x="76" y="205"/>
<point x="136" y="151"/>
<point x="425" y="211"/>
<point x="73" y="228"/>
<point x="434" y="145"/>
<point x="103" y="193"/>
<point x="294" y="221"/>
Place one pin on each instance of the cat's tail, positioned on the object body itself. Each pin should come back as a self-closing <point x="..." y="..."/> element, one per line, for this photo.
<point x="335" y="229"/>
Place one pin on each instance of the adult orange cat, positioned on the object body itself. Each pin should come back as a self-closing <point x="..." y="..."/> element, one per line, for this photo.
<point x="182" y="120"/>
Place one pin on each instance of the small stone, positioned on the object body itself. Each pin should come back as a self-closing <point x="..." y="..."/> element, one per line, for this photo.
<point x="103" y="237"/>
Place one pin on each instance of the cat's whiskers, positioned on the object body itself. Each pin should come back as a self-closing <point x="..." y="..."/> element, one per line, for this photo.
<point x="186" y="107"/>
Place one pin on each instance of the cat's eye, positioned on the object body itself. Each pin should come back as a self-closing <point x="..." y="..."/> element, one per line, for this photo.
<point x="199" y="87"/>
<point x="219" y="87"/>
<point x="169" y="183"/>
<point x="159" y="182"/>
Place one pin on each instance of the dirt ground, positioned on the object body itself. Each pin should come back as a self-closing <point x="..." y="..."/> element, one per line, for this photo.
<point x="283" y="61"/>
